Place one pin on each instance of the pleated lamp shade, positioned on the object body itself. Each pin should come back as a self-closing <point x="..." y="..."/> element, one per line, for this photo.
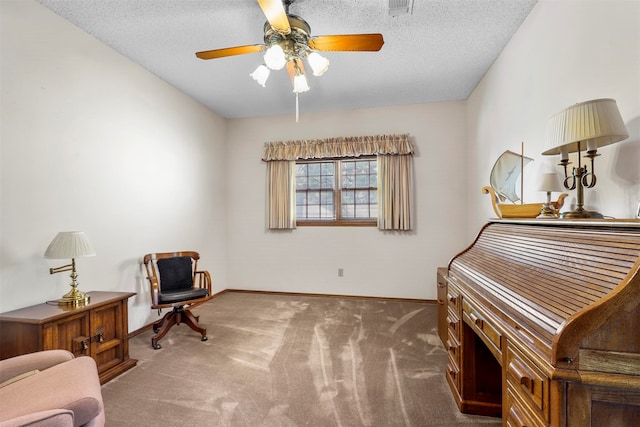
<point x="588" y="126"/>
<point x="69" y="244"/>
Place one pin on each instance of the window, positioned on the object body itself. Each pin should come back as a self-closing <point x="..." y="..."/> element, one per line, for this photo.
<point x="340" y="187"/>
<point x="337" y="192"/>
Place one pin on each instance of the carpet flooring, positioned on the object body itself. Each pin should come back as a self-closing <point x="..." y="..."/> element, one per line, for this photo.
<point x="285" y="361"/>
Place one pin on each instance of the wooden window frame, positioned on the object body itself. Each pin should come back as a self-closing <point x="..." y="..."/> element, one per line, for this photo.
<point x="337" y="198"/>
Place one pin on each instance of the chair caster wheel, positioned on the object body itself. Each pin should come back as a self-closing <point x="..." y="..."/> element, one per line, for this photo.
<point x="156" y="346"/>
<point x="155" y="331"/>
<point x="204" y="338"/>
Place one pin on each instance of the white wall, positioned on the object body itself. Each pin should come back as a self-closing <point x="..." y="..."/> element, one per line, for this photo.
<point x="90" y="141"/>
<point x="375" y="263"/>
<point x="565" y="52"/>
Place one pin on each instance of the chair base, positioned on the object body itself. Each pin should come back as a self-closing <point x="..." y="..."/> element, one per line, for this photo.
<point x="175" y="317"/>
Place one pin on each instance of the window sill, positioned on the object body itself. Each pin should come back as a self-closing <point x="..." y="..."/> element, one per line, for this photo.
<point x="331" y="223"/>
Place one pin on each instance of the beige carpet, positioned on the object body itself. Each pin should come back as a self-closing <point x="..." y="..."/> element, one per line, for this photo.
<point x="279" y="360"/>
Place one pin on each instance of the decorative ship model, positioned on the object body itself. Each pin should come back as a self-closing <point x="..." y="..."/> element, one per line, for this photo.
<point x="505" y="174"/>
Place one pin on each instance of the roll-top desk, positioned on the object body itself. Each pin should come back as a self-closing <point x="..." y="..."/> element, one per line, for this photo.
<point x="543" y="323"/>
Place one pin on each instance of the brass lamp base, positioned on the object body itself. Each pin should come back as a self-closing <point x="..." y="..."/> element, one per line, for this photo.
<point x="74" y="297"/>
<point x="581" y="214"/>
<point x="548" y="211"/>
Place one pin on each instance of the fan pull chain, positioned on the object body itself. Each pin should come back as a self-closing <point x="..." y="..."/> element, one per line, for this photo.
<point x="297" y="115"/>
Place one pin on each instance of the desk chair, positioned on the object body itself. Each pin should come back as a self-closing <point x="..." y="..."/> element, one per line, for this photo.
<point x="176" y="283"/>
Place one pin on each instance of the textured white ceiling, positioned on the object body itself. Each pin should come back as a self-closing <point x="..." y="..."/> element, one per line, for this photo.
<point x="438" y="53"/>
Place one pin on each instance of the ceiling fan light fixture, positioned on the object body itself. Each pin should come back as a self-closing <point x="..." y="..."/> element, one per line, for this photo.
<point x="287" y="41"/>
<point x="318" y="63"/>
<point x="275" y="57"/>
<point x="295" y="68"/>
<point x="300" y="84"/>
<point x="261" y="74"/>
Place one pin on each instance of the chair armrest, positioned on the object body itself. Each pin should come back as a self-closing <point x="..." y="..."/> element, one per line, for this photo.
<point x="39" y="360"/>
<point x="155" y="291"/>
<point x="49" y="418"/>
<point x="202" y="279"/>
<point x="73" y="385"/>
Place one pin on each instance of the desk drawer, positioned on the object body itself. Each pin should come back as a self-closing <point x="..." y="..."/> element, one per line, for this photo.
<point x="453" y="323"/>
<point x="526" y="380"/>
<point x="517" y="416"/>
<point x="453" y="373"/>
<point x="484" y="328"/>
<point x="453" y="299"/>
<point x="453" y="347"/>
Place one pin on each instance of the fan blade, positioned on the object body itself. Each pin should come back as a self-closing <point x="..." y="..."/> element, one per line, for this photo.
<point x="348" y="42"/>
<point x="230" y="51"/>
<point x="276" y="15"/>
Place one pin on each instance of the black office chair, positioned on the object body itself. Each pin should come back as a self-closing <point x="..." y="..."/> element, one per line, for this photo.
<point x="176" y="282"/>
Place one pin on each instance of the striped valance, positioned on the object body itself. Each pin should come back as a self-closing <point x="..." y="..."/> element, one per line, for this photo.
<point x="338" y="147"/>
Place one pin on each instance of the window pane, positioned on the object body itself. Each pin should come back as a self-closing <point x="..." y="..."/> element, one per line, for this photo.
<point x="348" y="197"/>
<point x="362" y="211"/>
<point x="301" y="198"/>
<point x="314" y="182"/>
<point x="328" y="169"/>
<point x="327" y="197"/>
<point x="362" y="181"/>
<point x="348" y="181"/>
<point x="313" y="211"/>
<point x="373" y="197"/>
<point x="313" y="197"/>
<point x="326" y="181"/>
<point x="327" y="212"/>
<point x="314" y="168"/>
<point x="362" y="168"/>
<point x="373" y="167"/>
<point x="348" y="168"/>
<point x="301" y="169"/>
<point x="301" y="211"/>
<point x="301" y="183"/>
<point x="347" y="211"/>
<point x="362" y="197"/>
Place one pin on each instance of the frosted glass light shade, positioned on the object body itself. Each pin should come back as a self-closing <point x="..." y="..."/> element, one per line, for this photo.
<point x="275" y="57"/>
<point x="318" y="63"/>
<point x="260" y="75"/>
<point x="69" y="244"/>
<point x="587" y="125"/>
<point x="300" y="84"/>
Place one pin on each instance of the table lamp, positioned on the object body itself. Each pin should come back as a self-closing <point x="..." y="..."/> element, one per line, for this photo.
<point x="549" y="183"/>
<point x="70" y="244"/>
<point x="586" y="126"/>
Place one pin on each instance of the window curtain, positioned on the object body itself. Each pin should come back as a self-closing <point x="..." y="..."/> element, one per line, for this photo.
<point x="338" y="147"/>
<point x="394" y="192"/>
<point x="394" y="154"/>
<point x="281" y="194"/>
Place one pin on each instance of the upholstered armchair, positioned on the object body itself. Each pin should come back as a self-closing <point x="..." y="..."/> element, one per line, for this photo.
<point x="50" y="388"/>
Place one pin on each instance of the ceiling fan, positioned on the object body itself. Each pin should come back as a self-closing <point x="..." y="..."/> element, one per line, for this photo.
<point x="287" y="40"/>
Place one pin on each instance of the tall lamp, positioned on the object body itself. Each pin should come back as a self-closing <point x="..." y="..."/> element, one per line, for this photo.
<point x="70" y="244"/>
<point x="586" y="126"/>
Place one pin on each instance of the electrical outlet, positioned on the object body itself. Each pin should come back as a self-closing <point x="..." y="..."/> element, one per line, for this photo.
<point x="341" y="272"/>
